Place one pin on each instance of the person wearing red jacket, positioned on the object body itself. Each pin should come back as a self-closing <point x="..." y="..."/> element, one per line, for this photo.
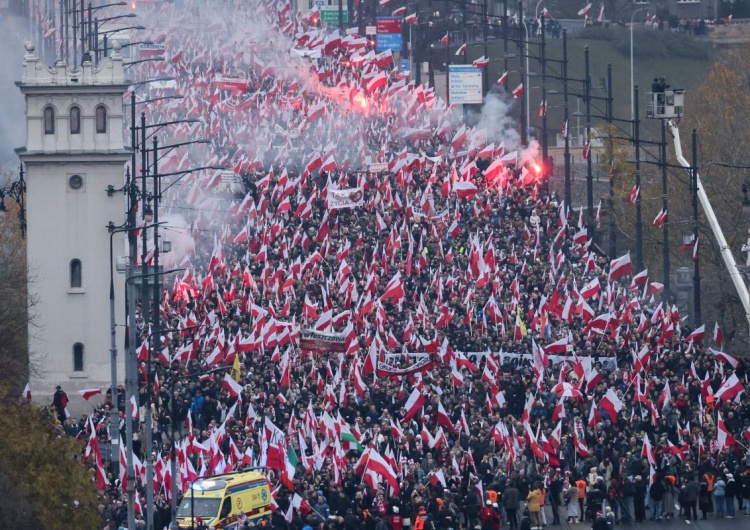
<point x="490" y="517"/>
<point x="397" y="522"/>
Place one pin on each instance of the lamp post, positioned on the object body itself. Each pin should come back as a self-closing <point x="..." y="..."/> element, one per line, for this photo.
<point x="632" y="79"/>
<point x="697" y="319"/>
<point x="17" y="192"/>
<point x="589" y="170"/>
<point x="114" y="436"/>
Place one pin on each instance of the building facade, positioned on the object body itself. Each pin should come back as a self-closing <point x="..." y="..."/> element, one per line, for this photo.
<point x="74" y="150"/>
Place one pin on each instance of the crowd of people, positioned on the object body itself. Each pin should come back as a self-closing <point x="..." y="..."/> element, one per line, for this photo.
<point x="493" y="363"/>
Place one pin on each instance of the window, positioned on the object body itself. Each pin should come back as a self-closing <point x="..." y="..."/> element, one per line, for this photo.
<point x="226" y="508"/>
<point x="49" y="120"/>
<point x="101" y="119"/>
<point x="76" y="281"/>
<point x="75" y="120"/>
<point x="78" y="357"/>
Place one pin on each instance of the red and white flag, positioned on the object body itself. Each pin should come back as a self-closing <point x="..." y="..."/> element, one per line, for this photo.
<point x="585" y="151"/>
<point x="518" y="91"/>
<point x="611" y="404"/>
<point x="633" y="195"/>
<point x="413" y="404"/>
<point x="542" y="110"/>
<point x="697" y="334"/>
<point x="89" y="393"/>
<point x="461" y="50"/>
<point x="26" y="395"/>
<point x="585" y="11"/>
<point x="399" y="11"/>
<point x="231" y="386"/>
<point x="620" y="267"/>
<point x="660" y="218"/>
<point x="725" y="358"/>
<point x="718" y="335"/>
<point x="444" y="40"/>
<point x="730" y="389"/>
<point x="723" y="437"/>
<point x="482" y="62"/>
<point x="411" y="19"/>
<point x="503" y="79"/>
<point x="394" y="289"/>
<point x="565" y="129"/>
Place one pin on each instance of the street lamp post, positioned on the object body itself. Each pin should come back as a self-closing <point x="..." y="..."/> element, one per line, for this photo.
<point x="17" y="192"/>
<point x="632" y="79"/>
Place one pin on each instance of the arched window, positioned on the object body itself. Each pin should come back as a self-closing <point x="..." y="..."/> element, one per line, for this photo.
<point x="78" y="357"/>
<point x="75" y="120"/>
<point x="101" y="119"/>
<point x="49" y="120"/>
<point x="76" y="276"/>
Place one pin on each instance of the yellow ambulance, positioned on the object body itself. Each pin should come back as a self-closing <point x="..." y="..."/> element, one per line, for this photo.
<point x="223" y="501"/>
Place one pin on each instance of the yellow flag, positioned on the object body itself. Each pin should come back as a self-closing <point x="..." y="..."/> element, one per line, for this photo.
<point x="236" y="367"/>
<point x="519" y="321"/>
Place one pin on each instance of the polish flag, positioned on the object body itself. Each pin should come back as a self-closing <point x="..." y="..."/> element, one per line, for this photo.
<point x="687" y="246"/>
<point x="565" y="129"/>
<point x="724" y="438"/>
<point x="585" y="151"/>
<point x="633" y="195"/>
<point x="730" y="389"/>
<point x="90" y="392"/>
<point x="503" y="79"/>
<point x="611" y="404"/>
<point x="641" y="278"/>
<point x="411" y="19"/>
<point x="444" y="40"/>
<point x="413" y="404"/>
<point x="482" y="62"/>
<point x="718" y="335"/>
<point x="660" y="218"/>
<point x="585" y="11"/>
<point x="133" y="408"/>
<point x="231" y="386"/>
<point x="394" y="289"/>
<point x="518" y="91"/>
<point x="560" y="346"/>
<point x="465" y="190"/>
<point x="377" y="82"/>
<point x="655" y="288"/>
<point x="546" y="14"/>
<point x="26" y="395"/>
<point x="542" y="110"/>
<point x="461" y="50"/>
<point x="398" y="12"/>
<point x="438" y="478"/>
<point x="725" y="358"/>
<point x="697" y="334"/>
<point x="620" y="267"/>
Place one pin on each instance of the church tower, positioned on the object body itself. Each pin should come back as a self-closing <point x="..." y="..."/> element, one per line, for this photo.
<point x="74" y="150"/>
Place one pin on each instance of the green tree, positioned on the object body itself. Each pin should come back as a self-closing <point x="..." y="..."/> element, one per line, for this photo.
<point x="42" y="482"/>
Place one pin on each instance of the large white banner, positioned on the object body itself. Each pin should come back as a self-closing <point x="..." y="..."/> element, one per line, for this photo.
<point x="519" y="360"/>
<point x="349" y="198"/>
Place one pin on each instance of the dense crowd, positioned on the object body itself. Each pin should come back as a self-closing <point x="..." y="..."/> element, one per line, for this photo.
<point x="493" y="361"/>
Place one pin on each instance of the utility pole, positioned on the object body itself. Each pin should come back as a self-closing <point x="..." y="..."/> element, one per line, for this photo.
<point x="156" y="334"/>
<point x="590" y="224"/>
<point x="545" y="147"/>
<point x="568" y="193"/>
<point x="697" y="319"/>
<point x="524" y="93"/>
<point x="664" y="204"/>
<point x="505" y="40"/>
<point x="638" y="216"/>
<point x="612" y="226"/>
